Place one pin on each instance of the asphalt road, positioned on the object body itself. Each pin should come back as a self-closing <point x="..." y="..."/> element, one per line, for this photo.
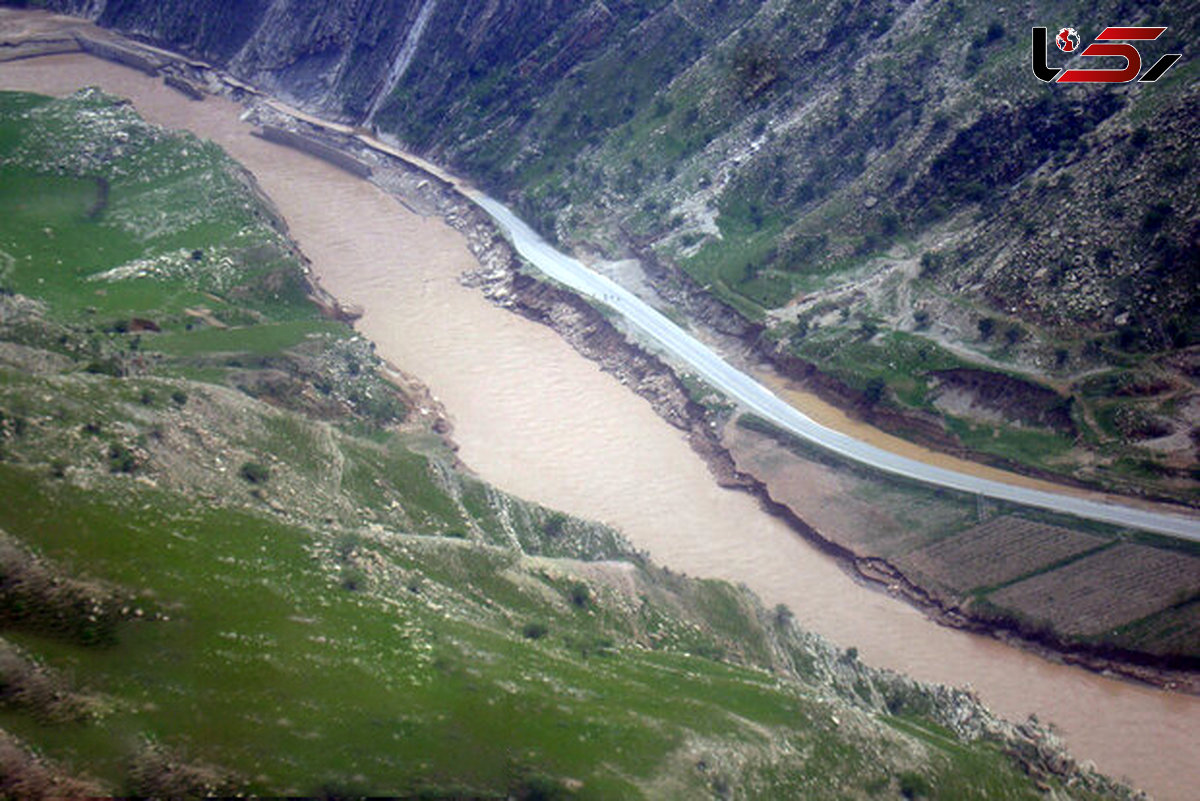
<point x="760" y="400"/>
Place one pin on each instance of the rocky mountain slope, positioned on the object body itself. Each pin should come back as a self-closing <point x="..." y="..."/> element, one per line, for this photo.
<point x="882" y="191"/>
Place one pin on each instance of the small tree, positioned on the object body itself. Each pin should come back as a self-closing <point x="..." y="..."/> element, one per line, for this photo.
<point x="354" y="579"/>
<point x="914" y="785"/>
<point x="931" y="264"/>
<point x="535" y="630"/>
<point x="554" y="524"/>
<point x="987" y="327"/>
<point x="873" y="393"/>
<point x="1156" y="216"/>
<point x="579" y="594"/>
<point x="121" y="459"/>
<point x="255" y="472"/>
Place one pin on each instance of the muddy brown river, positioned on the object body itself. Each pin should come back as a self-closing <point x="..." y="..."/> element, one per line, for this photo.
<point x="535" y="418"/>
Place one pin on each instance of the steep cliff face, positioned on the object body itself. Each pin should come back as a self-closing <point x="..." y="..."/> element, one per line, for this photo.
<point x="215" y="29"/>
<point x="348" y="58"/>
<point x="881" y="179"/>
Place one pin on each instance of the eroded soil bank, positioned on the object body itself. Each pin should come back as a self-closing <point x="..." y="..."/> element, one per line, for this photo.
<point x="535" y="418"/>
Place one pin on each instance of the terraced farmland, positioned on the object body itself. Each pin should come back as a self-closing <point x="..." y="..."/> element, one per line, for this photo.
<point x="965" y="567"/>
<point x="1077" y="598"/>
<point x="997" y="552"/>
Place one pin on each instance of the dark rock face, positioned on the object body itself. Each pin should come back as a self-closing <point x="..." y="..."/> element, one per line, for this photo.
<point x="340" y="57"/>
<point x="1013" y="398"/>
<point x="333" y="55"/>
<point x="216" y="29"/>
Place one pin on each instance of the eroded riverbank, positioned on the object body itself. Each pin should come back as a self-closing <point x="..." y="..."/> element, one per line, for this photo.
<point x="535" y="418"/>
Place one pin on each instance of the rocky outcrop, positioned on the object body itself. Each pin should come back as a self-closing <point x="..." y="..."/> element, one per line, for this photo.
<point x="1009" y="397"/>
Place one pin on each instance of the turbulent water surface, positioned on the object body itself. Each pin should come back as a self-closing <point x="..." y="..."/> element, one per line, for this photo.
<point x="535" y="418"/>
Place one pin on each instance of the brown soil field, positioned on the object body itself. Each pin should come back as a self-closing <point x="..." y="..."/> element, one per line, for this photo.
<point x="996" y="552"/>
<point x="1077" y="599"/>
<point x="871" y="518"/>
<point x="1173" y="631"/>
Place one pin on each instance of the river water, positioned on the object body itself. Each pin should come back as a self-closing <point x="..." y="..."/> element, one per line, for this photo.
<point x="534" y="418"/>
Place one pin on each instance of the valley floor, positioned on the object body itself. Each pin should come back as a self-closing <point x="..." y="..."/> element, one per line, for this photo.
<point x="478" y="434"/>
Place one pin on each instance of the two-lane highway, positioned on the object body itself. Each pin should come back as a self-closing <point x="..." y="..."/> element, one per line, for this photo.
<point x="760" y="400"/>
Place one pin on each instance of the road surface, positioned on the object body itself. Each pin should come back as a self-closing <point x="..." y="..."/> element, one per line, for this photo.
<point x="760" y="400"/>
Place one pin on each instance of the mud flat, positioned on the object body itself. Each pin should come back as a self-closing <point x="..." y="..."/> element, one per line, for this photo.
<point x="534" y="417"/>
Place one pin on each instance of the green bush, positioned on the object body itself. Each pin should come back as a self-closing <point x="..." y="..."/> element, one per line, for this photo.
<point x="1156" y="216"/>
<point x="121" y="459"/>
<point x="108" y="366"/>
<point x="354" y="579"/>
<point x="554" y="524"/>
<point x="579" y="594"/>
<point x="914" y="785"/>
<point x="873" y="393"/>
<point x="255" y="472"/>
<point x="931" y="264"/>
<point x="535" y="630"/>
